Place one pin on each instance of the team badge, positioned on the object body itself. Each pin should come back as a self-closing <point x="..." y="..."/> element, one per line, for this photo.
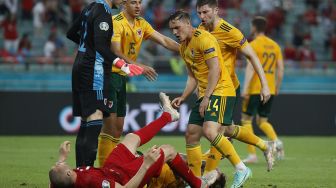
<point x="104" y="26"/>
<point x="110" y="104"/>
<point x="139" y="32"/>
<point x="105" y="184"/>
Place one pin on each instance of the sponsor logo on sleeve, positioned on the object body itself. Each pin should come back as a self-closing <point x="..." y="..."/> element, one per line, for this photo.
<point x="242" y="41"/>
<point x="209" y="50"/>
<point x="104" y="26"/>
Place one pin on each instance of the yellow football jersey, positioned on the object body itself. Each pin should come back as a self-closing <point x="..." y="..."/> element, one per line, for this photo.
<point x="230" y="40"/>
<point x="130" y="37"/>
<point x="201" y="47"/>
<point x="268" y="52"/>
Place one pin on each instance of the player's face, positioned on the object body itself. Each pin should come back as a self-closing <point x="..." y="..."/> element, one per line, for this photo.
<point x="133" y="7"/>
<point x="180" y="29"/>
<point x="207" y="14"/>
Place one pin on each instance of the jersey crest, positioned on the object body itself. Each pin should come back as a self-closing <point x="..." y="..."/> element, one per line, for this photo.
<point x="139" y="32"/>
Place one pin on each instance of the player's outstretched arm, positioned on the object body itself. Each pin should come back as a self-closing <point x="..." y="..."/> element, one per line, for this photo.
<point x="254" y="60"/>
<point x="165" y="41"/>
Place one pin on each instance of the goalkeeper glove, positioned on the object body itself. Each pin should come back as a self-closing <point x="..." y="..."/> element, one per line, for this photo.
<point x="129" y="69"/>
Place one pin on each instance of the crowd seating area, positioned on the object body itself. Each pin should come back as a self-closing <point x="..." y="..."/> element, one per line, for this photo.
<point x="37" y="56"/>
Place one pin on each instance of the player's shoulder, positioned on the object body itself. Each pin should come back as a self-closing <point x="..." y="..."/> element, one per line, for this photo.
<point x="118" y="17"/>
<point x="99" y="7"/>
<point x="227" y="27"/>
<point x="201" y="33"/>
<point x="274" y="42"/>
<point x="269" y="41"/>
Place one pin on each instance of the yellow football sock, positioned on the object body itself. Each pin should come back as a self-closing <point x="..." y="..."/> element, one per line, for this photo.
<point x="106" y="143"/>
<point x="213" y="159"/>
<point x="250" y="148"/>
<point x="166" y="178"/>
<point x="267" y="128"/>
<point x="205" y="155"/>
<point x="225" y="147"/>
<point x="245" y="135"/>
<point x="194" y="158"/>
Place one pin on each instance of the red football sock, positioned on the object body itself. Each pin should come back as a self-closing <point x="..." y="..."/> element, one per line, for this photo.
<point x="149" y="131"/>
<point x="179" y="166"/>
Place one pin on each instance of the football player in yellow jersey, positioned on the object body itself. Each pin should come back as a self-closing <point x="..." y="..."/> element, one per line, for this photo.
<point x="269" y="53"/>
<point x="129" y="30"/>
<point x="216" y="95"/>
<point x="231" y="40"/>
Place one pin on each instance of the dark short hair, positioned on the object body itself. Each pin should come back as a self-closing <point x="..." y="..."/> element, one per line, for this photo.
<point x="259" y="23"/>
<point x="211" y="3"/>
<point x="179" y="15"/>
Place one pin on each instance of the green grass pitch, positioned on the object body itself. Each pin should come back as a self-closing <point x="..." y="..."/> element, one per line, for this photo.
<point x="310" y="162"/>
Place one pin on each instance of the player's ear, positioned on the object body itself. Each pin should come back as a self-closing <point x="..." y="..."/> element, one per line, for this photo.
<point x="216" y="10"/>
<point x="68" y="173"/>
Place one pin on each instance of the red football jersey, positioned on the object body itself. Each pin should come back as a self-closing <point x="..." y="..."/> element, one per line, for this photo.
<point x="89" y="177"/>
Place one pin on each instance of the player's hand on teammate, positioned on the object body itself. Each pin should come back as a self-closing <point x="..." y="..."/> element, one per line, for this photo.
<point x="129" y="69"/>
<point x="151" y="156"/>
<point x="176" y="103"/>
<point x="203" y="106"/>
<point x="265" y="94"/>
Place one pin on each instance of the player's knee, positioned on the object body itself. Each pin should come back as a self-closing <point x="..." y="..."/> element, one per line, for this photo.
<point x="229" y="130"/>
<point x="132" y="138"/>
<point x="210" y="133"/>
<point x="169" y="152"/>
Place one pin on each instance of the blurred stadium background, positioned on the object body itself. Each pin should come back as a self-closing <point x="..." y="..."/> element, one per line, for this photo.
<point x="36" y="61"/>
<point x="35" y="79"/>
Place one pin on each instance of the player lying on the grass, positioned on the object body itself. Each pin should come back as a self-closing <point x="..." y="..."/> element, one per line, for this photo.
<point x="123" y="168"/>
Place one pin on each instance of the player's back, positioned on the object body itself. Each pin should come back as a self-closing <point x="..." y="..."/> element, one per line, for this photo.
<point x="268" y="52"/>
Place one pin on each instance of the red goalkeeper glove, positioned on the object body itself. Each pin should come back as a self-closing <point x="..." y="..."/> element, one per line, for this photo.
<point x="129" y="69"/>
